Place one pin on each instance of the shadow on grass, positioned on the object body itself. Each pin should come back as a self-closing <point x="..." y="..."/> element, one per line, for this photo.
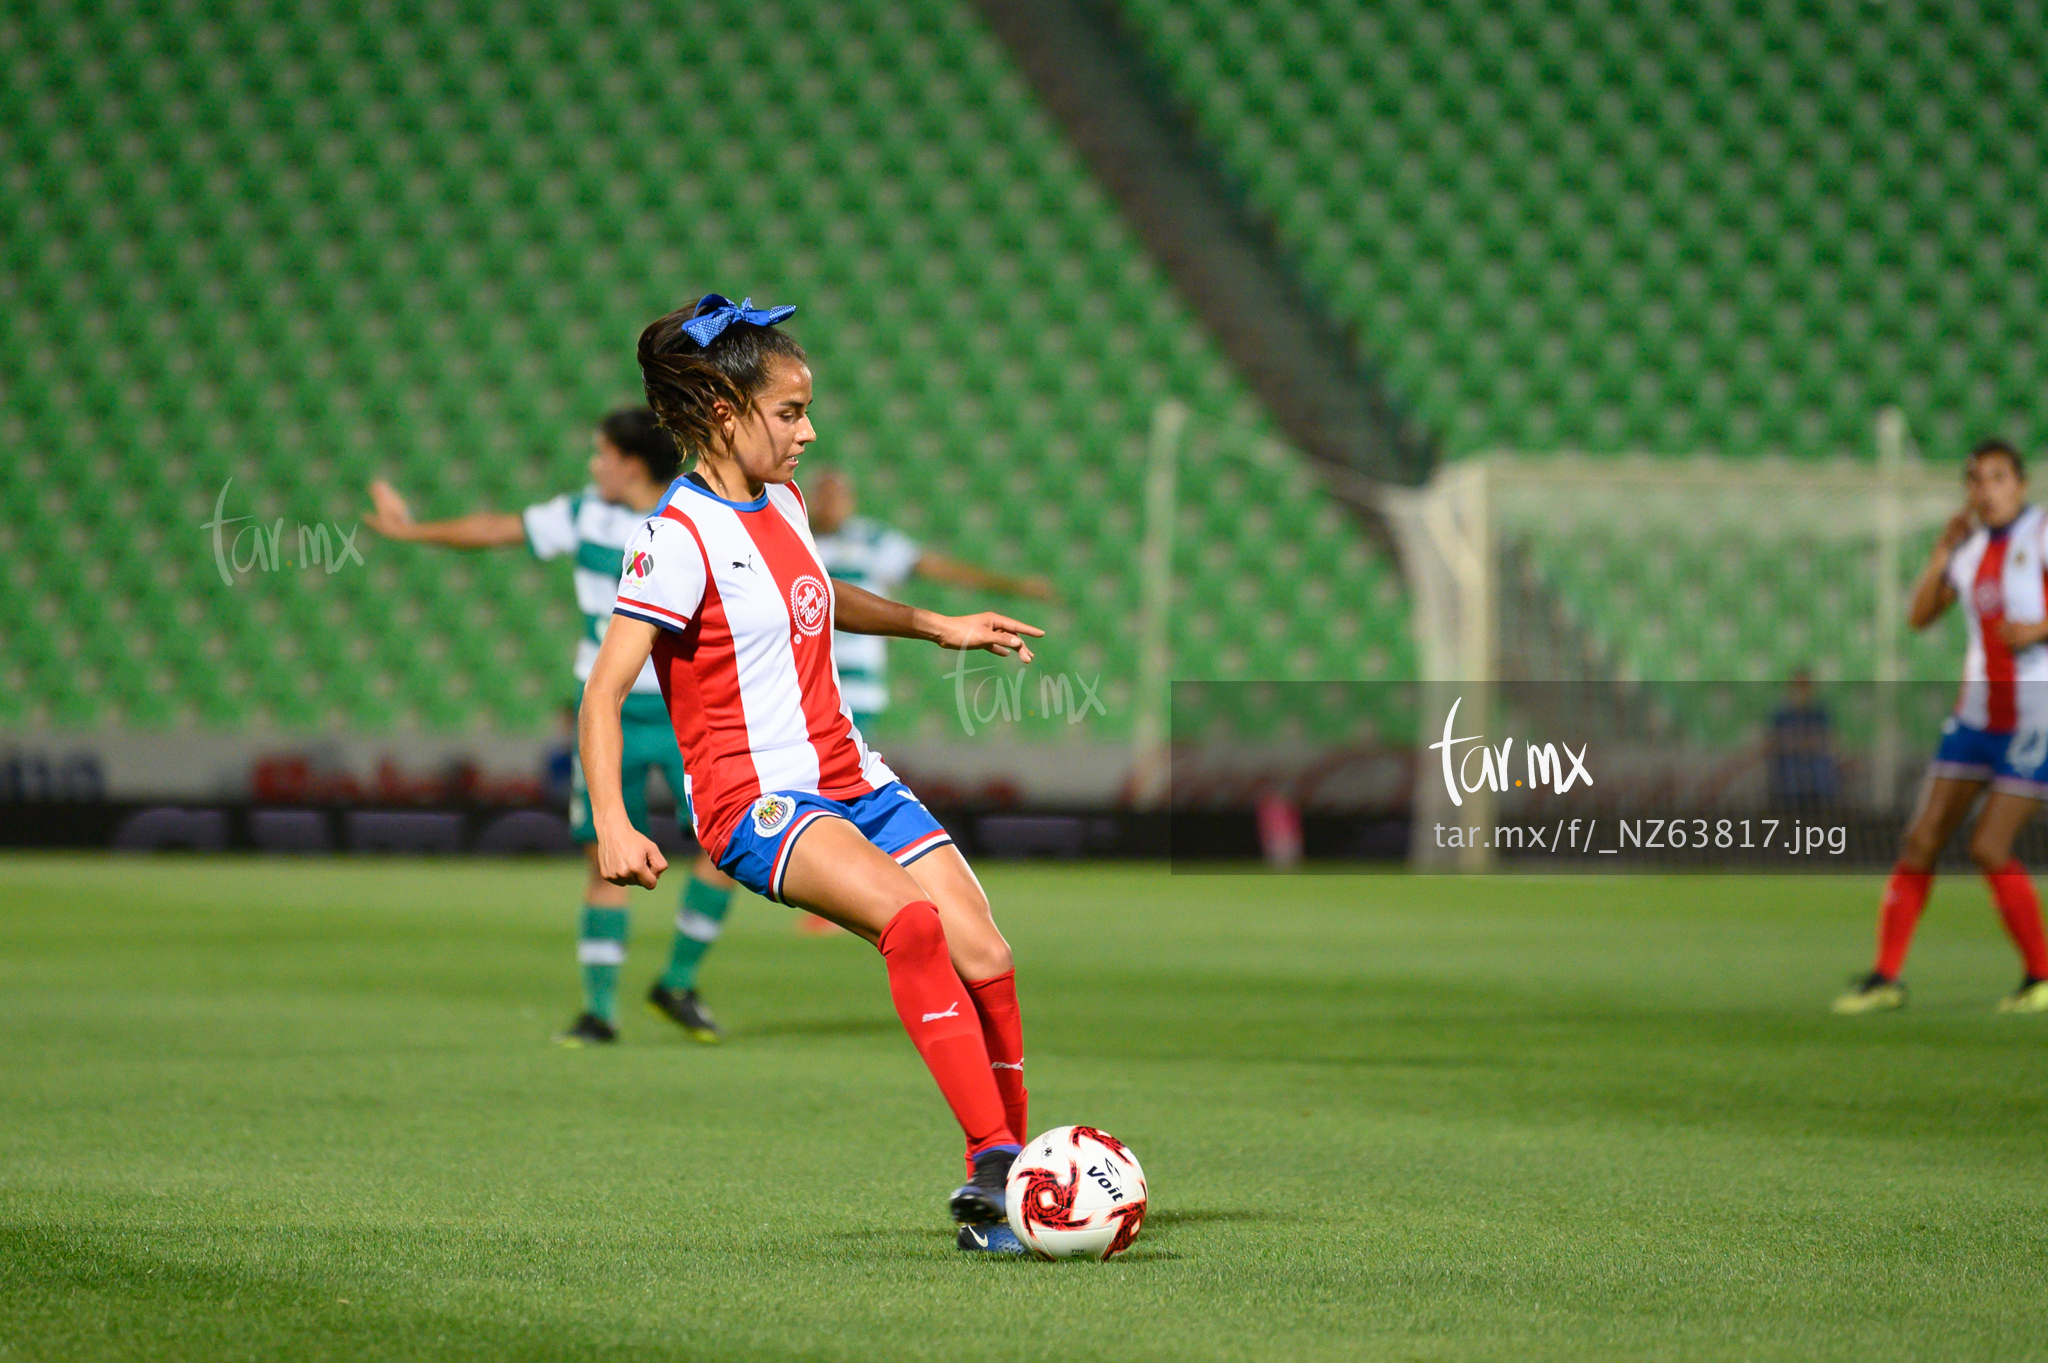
<point x="1163" y="1219"/>
<point x="891" y="1242"/>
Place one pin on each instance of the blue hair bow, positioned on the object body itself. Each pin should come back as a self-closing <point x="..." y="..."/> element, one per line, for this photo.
<point x="706" y="327"/>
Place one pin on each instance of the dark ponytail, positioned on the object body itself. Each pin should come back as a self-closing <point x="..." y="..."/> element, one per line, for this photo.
<point x="685" y="381"/>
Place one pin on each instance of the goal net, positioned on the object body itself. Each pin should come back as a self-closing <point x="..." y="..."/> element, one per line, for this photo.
<point x="1679" y="608"/>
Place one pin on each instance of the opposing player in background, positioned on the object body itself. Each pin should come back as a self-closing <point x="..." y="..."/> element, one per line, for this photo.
<point x="632" y="465"/>
<point x="1998" y="735"/>
<point x="879" y="559"/>
<point x="724" y="591"/>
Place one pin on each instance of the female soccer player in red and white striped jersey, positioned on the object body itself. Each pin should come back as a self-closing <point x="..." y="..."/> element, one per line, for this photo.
<point x="1998" y="735"/>
<point x="724" y="590"/>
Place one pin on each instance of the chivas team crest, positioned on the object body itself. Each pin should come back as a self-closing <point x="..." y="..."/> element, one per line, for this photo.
<point x="771" y="812"/>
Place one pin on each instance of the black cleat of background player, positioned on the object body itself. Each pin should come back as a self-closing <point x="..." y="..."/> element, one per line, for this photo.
<point x="686" y="1011"/>
<point x="588" y="1030"/>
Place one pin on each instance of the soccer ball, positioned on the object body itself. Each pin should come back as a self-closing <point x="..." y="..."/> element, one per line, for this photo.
<point x="1076" y="1193"/>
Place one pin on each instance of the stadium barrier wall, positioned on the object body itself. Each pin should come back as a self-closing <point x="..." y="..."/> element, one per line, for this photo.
<point x="1187" y="836"/>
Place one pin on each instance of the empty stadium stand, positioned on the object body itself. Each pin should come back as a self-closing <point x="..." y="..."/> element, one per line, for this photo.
<point x="1725" y="227"/>
<point x="256" y="254"/>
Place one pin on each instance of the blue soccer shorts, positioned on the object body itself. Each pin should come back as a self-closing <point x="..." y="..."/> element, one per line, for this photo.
<point x="2012" y="762"/>
<point x="893" y="819"/>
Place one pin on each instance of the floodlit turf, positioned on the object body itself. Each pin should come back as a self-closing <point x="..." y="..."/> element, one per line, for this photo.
<point x="276" y="1110"/>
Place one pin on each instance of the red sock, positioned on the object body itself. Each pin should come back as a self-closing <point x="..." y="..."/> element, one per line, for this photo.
<point x="1904" y="897"/>
<point x="2021" y="910"/>
<point x="1002" y="1031"/>
<point x="938" y="1012"/>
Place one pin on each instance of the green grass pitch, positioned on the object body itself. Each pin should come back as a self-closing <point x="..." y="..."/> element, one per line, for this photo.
<point x="273" y="1110"/>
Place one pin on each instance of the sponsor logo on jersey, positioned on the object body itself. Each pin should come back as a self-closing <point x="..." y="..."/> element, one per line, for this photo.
<point x="1988" y="597"/>
<point x="641" y="566"/>
<point x="772" y="812"/>
<point x="809" y="603"/>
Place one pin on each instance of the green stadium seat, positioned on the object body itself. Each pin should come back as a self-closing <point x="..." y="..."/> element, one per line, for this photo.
<point x="438" y="282"/>
<point x="1595" y="145"/>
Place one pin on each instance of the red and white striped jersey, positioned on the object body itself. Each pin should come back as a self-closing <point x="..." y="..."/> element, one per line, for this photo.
<point x="744" y="656"/>
<point x="1998" y="576"/>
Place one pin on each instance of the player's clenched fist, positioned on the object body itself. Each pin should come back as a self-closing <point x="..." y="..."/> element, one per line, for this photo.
<point x="630" y="858"/>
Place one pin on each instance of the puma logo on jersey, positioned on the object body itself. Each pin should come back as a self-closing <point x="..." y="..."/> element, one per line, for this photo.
<point x="951" y="1012"/>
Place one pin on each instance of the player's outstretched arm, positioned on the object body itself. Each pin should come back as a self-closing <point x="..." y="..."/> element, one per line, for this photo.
<point x="859" y="611"/>
<point x="625" y="856"/>
<point x="941" y="568"/>
<point x="392" y="518"/>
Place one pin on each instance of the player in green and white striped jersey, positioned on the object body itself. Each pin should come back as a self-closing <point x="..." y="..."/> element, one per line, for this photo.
<point x="879" y="558"/>
<point x="872" y="555"/>
<point x="632" y="466"/>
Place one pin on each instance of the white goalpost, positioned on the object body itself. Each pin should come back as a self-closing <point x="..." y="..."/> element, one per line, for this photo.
<point x="1817" y="551"/>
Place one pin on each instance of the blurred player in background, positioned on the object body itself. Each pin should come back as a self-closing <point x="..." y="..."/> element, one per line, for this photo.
<point x="1799" y="750"/>
<point x="879" y="559"/>
<point x="633" y="464"/>
<point x="723" y="589"/>
<point x="1998" y="735"/>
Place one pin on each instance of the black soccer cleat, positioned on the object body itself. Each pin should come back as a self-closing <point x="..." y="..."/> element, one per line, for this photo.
<point x="980" y="1200"/>
<point x="588" y="1030"/>
<point x="686" y="1011"/>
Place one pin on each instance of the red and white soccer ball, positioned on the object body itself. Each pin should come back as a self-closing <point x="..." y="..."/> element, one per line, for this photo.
<point x="1076" y="1193"/>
